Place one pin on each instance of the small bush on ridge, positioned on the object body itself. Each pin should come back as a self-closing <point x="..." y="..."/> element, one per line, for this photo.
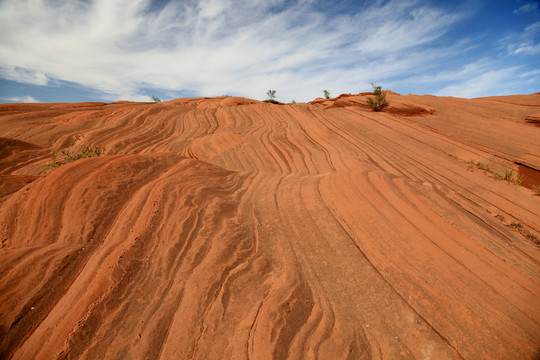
<point x="326" y="94"/>
<point x="378" y="102"/>
<point x="271" y="95"/>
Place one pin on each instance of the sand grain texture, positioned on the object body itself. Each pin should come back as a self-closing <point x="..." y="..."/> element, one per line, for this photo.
<point x="227" y="228"/>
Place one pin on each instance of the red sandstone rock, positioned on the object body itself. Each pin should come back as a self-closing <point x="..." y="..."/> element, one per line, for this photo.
<point x="227" y="228"/>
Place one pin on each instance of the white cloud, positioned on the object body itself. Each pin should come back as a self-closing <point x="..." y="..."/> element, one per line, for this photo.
<point x="524" y="43"/>
<point x="34" y="77"/>
<point x="484" y="79"/>
<point x="21" y="99"/>
<point x="397" y="26"/>
<point x="212" y="47"/>
<point x="526" y="49"/>
<point x="529" y="7"/>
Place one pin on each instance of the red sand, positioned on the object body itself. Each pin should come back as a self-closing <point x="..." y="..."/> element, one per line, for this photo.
<point x="227" y="228"/>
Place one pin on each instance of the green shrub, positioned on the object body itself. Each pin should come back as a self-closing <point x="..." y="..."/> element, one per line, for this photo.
<point x="521" y="229"/>
<point x="155" y="99"/>
<point x="511" y="176"/>
<point x="70" y="156"/>
<point x="378" y="102"/>
<point x="518" y="180"/>
<point x="481" y="166"/>
<point x="508" y="175"/>
<point x="326" y="94"/>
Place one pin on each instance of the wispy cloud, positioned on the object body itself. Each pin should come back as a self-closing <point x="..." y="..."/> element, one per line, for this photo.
<point x="529" y="7"/>
<point x="483" y="77"/>
<point x="21" y="99"/>
<point x="130" y="48"/>
<point x="525" y="43"/>
<point x="27" y="76"/>
<point x="481" y="83"/>
<point x="214" y="47"/>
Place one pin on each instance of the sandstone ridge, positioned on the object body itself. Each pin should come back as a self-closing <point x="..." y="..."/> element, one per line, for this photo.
<point x="229" y="228"/>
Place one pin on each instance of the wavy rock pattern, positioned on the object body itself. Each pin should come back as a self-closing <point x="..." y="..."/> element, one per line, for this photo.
<point x="227" y="228"/>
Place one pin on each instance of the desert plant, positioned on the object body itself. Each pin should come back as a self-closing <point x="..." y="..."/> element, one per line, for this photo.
<point x="326" y="94"/>
<point x="271" y="95"/>
<point x="378" y="102"/>
<point x="516" y="225"/>
<point x="508" y="175"/>
<point x="155" y="99"/>
<point x="481" y="166"/>
<point x="537" y="189"/>
<point x="528" y="234"/>
<point x="533" y="238"/>
<point x="70" y="156"/>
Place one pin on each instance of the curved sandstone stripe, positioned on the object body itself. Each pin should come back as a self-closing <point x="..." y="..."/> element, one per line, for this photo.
<point x="227" y="228"/>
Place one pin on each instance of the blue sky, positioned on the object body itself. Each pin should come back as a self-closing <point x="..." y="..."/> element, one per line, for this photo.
<point x="108" y="50"/>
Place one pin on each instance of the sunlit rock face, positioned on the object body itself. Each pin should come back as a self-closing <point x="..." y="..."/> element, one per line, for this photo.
<point x="228" y="228"/>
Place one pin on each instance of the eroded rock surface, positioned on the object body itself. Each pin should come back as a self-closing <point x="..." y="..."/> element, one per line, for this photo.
<point x="227" y="228"/>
